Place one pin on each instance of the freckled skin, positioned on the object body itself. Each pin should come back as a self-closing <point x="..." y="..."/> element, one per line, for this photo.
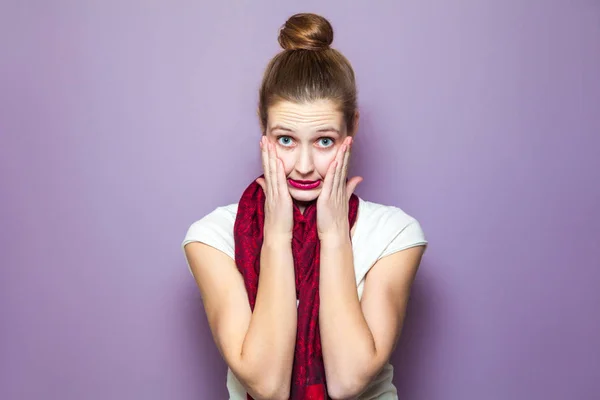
<point x="307" y="137"/>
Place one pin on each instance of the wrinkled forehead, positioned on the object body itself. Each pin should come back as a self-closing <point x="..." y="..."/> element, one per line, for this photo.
<point x="312" y="117"/>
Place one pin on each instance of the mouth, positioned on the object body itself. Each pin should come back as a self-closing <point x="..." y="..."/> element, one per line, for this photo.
<point x="304" y="185"/>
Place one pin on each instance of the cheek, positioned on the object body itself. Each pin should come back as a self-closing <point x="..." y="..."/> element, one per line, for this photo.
<point x="323" y="161"/>
<point x="288" y="162"/>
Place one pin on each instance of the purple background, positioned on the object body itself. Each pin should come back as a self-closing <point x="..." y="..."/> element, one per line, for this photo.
<point x="122" y="122"/>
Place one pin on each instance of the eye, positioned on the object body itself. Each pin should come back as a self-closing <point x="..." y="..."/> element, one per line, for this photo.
<point x="326" y="142"/>
<point x="285" y="141"/>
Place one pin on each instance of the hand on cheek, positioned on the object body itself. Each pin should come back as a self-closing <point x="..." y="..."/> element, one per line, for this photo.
<point x="279" y="219"/>
<point x="332" y="204"/>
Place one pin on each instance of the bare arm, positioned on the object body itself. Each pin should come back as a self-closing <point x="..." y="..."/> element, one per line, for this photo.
<point x="359" y="337"/>
<point x="258" y="346"/>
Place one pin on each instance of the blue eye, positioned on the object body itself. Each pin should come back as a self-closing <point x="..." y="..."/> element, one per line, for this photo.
<point x="284" y="140"/>
<point x="328" y="142"/>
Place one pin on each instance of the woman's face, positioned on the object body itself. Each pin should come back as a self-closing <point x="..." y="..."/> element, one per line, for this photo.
<point x="307" y="137"/>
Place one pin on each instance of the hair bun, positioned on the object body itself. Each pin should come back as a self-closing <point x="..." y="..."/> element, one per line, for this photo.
<point x="306" y="32"/>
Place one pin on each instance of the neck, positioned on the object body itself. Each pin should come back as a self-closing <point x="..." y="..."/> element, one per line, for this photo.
<point x="302" y="205"/>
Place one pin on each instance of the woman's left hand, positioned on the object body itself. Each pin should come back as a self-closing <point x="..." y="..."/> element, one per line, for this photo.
<point x="332" y="204"/>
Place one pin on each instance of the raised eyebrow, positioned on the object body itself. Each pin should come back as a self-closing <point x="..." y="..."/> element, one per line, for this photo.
<point x="329" y="129"/>
<point x="281" y="128"/>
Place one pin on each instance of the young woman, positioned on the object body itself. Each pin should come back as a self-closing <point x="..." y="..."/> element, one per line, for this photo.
<point x="305" y="284"/>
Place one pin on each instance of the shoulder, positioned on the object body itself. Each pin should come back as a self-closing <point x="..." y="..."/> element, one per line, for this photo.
<point x="214" y="229"/>
<point x="391" y="225"/>
<point x="219" y="216"/>
<point x="378" y="214"/>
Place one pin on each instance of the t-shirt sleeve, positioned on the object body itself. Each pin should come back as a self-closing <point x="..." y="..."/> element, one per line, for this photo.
<point x="215" y="230"/>
<point x="409" y="234"/>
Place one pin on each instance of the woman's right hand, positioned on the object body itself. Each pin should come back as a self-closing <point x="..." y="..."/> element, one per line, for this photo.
<point x="279" y="212"/>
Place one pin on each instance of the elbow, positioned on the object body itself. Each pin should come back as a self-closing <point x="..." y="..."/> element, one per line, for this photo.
<point x="348" y="389"/>
<point x="268" y="394"/>
<point x="276" y="394"/>
<point x="350" y="383"/>
<point x="270" y="389"/>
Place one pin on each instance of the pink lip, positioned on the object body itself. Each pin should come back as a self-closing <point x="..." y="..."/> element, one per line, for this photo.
<point x="304" y="185"/>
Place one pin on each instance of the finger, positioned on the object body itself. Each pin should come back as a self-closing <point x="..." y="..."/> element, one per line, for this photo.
<point x="273" y="170"/>
<point x="261" y="183"/>
<point x="282" y="182"/>
<point x="352" y="184"/>
<point x="328" y="182"/>
<point x="339" y="157"/>
<point x="265" y="162"/>
<point x="344" y="171"/>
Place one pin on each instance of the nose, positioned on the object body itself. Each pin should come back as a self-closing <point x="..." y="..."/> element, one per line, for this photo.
<point x="304" y="163"/>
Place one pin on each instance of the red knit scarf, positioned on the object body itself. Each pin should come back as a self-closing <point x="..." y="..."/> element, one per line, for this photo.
<point x="308" y="374"/>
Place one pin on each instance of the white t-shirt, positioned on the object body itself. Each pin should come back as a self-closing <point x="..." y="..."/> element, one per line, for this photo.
<point x="380" y="231"/>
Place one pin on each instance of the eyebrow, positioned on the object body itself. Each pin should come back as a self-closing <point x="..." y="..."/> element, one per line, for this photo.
<point x="326" y="129"/>
<point x="281" y="128"/>
<point x="329" y="129"/>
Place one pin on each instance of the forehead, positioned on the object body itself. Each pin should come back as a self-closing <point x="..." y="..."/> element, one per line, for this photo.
<point x="311" y="115"/>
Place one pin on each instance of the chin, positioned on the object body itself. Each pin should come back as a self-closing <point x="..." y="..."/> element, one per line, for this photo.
<point x="304" y="195"/>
